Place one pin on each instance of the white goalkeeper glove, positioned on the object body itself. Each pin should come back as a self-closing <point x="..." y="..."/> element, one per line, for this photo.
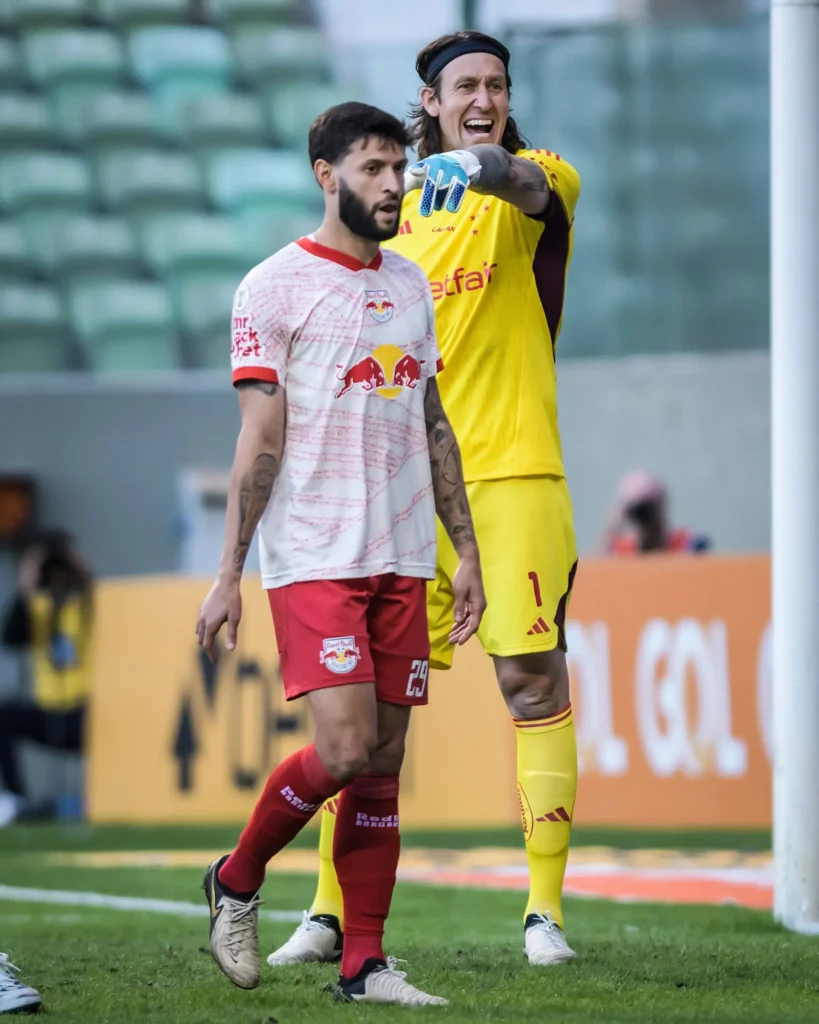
<point x="443" y="179"/>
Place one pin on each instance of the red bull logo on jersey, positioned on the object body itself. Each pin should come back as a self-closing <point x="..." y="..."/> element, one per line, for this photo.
<point x="379" y="305"/>
<point x="340" y="654"/>
<point x="386" y="373"/>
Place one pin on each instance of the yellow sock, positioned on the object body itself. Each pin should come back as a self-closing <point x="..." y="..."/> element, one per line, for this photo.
<point x="328" y="894"/>
<point x="547" y="786"/>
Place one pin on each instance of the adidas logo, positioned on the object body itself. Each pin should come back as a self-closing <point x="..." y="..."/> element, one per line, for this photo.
<point x="558" y="814"/>
<point x="539" y="627"/>
<point x="405" y="229"/>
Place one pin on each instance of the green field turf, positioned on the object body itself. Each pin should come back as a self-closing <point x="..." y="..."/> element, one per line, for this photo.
<point x="637" y="963"/>
<point x="44" y="838"/>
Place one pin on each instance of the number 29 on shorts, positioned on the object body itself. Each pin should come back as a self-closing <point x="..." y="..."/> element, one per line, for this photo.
<point x="417" y="682"/>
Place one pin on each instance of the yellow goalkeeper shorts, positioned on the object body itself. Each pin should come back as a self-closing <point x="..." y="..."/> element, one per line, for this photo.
<point x="525" y="533"/>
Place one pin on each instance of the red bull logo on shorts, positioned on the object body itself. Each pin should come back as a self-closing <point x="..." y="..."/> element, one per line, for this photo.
<point x="386" y="372"/>
<point x="379" y="305"/>
<point x="340" y="654"/>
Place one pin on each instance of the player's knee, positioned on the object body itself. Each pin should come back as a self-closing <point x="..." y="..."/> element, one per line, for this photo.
<point x="347" y="753"/>
<point x="534" y="686"/>
<point x="535" y="701"/>
<point x="388" y="757"/>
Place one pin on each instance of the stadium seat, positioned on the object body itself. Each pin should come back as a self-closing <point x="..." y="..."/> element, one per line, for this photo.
<point x="108" y="118"/>
<point x="142" y="181"/>
<point x="131" y="14"/>
<point x="265" y="230"/>
<point x="179" y="63"/>
<point x="21" y="15"/>
<point x="199" y="54"/>
<point x="125" y="325"/>
<point x="24" y="121"/>
<point x="44" y="181"/>
<point x="32" y="331"/>
<point x="233" y="13"/>
<point x="43" y="191"/>
<point x="16" y="261"/>
<point x="294" y="106"/>
<point x="86" y="246"/>
<point x="10" y="73"/>
<point x="280" y="54"/>
<point x="272" y="193"/>
<point x="79" y="57"/>
<point x="193" y="242"/>
<point x="221" y="120"/>
<point x="237" y="177"/>
<point x="204" y="307"/>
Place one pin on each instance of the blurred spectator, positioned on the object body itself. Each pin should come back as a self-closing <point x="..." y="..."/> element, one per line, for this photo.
<point x="640" y="522"/>
<point x="50" y="620"/>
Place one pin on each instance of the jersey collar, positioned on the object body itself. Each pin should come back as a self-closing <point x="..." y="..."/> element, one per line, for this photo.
<point x="350" y="262"/>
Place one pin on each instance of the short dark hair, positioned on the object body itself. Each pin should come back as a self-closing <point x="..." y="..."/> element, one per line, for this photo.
<point x="334" y="132"/>
<point x="425" y="129"/>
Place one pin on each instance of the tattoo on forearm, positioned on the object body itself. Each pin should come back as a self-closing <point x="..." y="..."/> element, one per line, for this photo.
<point x="451" y="502"/>
<point x="496" y="168"/>
<point x="254" y="494"/>
<point x="503" y="173"/>
<point x="266" y="387"/>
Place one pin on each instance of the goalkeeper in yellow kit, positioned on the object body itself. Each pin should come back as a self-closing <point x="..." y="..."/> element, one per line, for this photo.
<point x="493" y="232"/>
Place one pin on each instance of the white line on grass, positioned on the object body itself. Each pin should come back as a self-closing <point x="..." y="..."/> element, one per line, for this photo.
<point x="180" y="908"/>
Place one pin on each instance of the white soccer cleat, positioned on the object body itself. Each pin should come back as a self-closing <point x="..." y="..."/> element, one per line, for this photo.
<point x="234" y="931"/>
<point x="317" y="940"/>
<point x="544" y="942"/>
<point x="15" y="997"/>
<point x="383" y="984"/>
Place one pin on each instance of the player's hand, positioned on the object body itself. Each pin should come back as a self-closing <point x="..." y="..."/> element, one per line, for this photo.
<point x="470" y="602"/>
<point x="222" y="605"/>
<point x="443" y="179"/>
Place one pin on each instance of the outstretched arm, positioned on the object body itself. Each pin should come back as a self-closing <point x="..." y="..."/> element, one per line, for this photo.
<point x="255" y="468"/>
<point x="512" y="178"/>
<point x="452" y="506"/>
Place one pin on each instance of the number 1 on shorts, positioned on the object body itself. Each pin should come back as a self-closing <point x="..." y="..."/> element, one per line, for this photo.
<point x="536" y="588"/>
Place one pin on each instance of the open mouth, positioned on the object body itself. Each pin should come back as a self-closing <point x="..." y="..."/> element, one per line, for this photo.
<point x="388" y="208"/>
<point x="479" y="127"/>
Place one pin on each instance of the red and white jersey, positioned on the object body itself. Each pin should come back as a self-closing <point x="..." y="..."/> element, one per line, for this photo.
<point x="353" y="347"/>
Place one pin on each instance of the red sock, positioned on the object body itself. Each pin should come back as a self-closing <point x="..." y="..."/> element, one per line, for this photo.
<point x="291" y="796"/>
<point x="365" y="852"/>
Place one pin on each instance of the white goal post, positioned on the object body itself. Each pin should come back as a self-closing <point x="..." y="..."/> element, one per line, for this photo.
<point x="795" y="457"/>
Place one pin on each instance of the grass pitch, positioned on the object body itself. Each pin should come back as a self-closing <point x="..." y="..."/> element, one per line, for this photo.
<point x="637" y="963"/>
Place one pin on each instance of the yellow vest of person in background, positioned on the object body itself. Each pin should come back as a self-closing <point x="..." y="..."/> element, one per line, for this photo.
<point x="60" y="666"/>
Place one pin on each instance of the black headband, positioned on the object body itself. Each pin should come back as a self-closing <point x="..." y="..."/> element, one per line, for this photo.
<point x="457" y="48"/>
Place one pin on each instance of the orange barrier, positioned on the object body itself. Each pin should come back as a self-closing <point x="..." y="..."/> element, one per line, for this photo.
<point x="670" y="663"/>
<point x="671" y="672"/>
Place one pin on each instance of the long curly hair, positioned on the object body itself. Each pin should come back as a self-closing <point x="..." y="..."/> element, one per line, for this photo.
<point x="425" y="129"/>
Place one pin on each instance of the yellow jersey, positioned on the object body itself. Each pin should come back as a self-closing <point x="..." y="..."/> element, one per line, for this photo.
<point x="498" y="281"/>
<point x="60" y="660"/>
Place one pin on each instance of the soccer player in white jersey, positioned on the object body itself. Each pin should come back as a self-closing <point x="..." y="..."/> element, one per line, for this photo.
<point x="344" y="457"/>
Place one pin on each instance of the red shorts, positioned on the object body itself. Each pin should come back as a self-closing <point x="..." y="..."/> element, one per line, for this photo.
<point x="334" y="632"/>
